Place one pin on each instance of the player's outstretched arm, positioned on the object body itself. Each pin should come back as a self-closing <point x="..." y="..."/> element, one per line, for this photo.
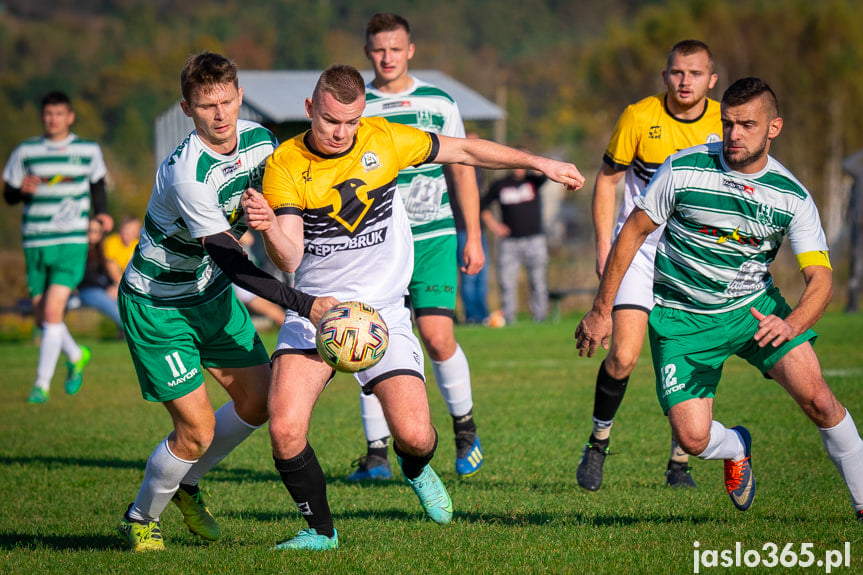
<point x="494" y="156"/>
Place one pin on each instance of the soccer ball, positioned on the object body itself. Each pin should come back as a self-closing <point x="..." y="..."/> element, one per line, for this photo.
<point x="352" y="336"/>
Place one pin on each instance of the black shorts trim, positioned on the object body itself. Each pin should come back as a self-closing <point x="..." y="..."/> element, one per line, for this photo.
<point x="367" y="388"/>
<point x="306" y="352"/>
<point x="279" y="352"/>
<point x="630" y="306"/>
<point x="443" y="311"/>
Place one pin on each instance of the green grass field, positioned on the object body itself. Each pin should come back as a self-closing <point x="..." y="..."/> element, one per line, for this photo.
<point x="69" y="468"/>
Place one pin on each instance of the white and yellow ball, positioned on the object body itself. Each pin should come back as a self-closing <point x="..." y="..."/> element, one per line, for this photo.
<point x="352" y="336"/>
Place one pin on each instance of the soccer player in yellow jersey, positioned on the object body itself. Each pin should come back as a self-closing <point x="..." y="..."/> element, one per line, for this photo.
<point x="332" y="216"/>
<point x="646" y="134"/>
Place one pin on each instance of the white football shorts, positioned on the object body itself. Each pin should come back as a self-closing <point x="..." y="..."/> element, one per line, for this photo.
<point x="636" y="288"/>
<point x="404" y="355"/>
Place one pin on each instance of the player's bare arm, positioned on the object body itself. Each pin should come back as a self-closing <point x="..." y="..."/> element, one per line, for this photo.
<point x="595" y="327"/>
<point x="603" y="212"/>
<point x="816" y="295"/>
<point x="464" y="180"/>
<point x="283" y="235"/>
<point x="494" y="156"/>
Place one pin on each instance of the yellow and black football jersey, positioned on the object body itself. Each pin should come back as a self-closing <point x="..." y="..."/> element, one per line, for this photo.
<point x="358" y="242"/>
<point x="646" y="134"/>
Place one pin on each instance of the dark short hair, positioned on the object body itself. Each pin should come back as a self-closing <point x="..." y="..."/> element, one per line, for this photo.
<point x="206" y="70"/>
<point x="343" y="82"/>
<point x="55" y="97"/>
<point x="745" y="90"/>
<point x="687" y="48"/>
<point x="386" y="22"/>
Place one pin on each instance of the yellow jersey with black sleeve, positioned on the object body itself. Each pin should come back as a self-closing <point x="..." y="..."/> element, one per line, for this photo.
<point x="645" y="135"/>
<point x="357" y="237"/>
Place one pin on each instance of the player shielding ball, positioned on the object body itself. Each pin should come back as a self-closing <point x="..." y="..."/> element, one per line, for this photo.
<point x="332" y="215"/>
<point x="727" y="207"/>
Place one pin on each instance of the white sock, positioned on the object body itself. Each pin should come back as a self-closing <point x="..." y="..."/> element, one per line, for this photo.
<point x="70" y="346"/>
<point x="845" y="449"/>
<point x="230" y="431"/>
<point x="602" y="428"/>
<point x="374" y="422"/>
<point x="453" y="380"/>
<point x="724" y="444"/>
<point x="49" y="353"/>
<point x="161" y="479"/>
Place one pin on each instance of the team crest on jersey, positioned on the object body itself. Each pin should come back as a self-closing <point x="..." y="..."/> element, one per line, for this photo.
<point x="655" y="132"/>
<point x="714" y="137"/>
<point x="765" y="214"/>
<point x="370" y="161"/>
<point x="424" y="119"/>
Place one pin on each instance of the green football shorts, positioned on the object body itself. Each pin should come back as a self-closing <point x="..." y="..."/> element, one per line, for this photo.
<point x="169" y="346"/>
<point x="63" y="264"/>
<point x="435" y="276"/>
<point x="689" y="349"/>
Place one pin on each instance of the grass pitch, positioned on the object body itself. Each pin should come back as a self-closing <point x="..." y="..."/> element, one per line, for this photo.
<point x="70" y="467"/>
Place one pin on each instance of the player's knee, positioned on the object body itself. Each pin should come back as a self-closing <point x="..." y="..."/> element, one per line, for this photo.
<point x="692" y="441"/>
<point x="823" y="408"/>
<point x="439" y="346"/>
<point x="416" y="441"/>
<point x="286" y="432"/>
<point x="193" y="443"/>
<point x="252" y="410"/>
<point x="620" y="363"/>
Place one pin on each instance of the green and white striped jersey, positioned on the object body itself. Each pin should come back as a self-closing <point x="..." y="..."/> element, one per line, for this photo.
<point x="423" y="188"/>
<point x="59" y="211"/>
<point x="724" y="228"/>
<point x="197" y="194"/>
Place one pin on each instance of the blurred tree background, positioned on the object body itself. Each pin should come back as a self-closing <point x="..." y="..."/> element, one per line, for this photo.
<point x="563" y="69"/>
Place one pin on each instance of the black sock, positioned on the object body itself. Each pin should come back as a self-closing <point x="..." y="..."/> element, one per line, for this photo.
<point x="379" y="447"/>
<point x="600" y="443"/>
<point x="412" y="465"/>
<point x="609" y="394"/>
<point x="305" y="480"/>
<point x="463" y="423"/>
<point x="190" y="489"/>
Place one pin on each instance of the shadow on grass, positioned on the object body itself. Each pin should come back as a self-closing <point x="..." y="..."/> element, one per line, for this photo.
<point x="20" y="541"/>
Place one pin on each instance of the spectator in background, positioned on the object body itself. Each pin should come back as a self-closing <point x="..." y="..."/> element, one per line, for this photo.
<point x="522" y="241"/>
<point x="96" y="290"/>
<point x="120" y="247"/>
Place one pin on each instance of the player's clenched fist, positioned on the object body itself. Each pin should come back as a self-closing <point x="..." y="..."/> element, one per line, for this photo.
<point x="259" y="215"/>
